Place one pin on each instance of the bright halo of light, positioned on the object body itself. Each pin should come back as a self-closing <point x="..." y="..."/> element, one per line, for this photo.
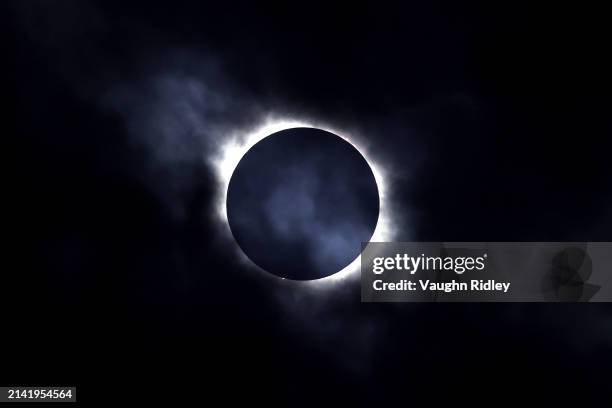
<point x="234" y="148"/>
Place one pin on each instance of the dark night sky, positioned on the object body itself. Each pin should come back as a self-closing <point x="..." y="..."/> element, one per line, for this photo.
<point x="493" y="121"/>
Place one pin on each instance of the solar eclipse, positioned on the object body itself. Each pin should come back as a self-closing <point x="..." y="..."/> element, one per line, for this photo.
<point x="300" y="200"/>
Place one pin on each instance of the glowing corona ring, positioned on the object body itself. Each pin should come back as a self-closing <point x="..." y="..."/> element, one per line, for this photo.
<point x="231" y="151"/>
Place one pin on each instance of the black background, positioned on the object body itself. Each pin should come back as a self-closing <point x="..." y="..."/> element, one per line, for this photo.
<point x="494" y="121"/>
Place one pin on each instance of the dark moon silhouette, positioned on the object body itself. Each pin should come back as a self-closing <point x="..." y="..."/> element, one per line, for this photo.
<point x="301" y="202"/>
